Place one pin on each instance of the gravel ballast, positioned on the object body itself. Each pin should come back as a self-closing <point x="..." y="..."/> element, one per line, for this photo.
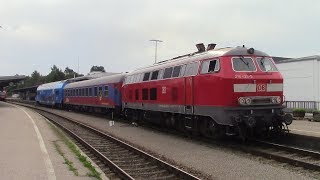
<point x="214" y="162"/>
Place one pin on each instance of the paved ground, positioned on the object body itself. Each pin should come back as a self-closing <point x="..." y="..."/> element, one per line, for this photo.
<point x="28" y="148"/>
<point x="217" y="162"/>
<point x="305" y="127"/>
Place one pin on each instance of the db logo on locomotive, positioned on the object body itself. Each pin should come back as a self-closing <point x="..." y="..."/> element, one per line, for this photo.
<point x="261" y="87"/>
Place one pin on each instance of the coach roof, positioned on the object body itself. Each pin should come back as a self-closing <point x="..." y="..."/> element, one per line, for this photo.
<point x="98" y="81"/>
<point x="52" y="85"/>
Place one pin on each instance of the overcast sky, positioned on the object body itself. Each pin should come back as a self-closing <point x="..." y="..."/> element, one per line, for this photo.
<point x="37" y="34"/>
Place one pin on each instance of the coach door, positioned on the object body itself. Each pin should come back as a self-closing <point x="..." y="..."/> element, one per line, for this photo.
<point x="191" y="70"/>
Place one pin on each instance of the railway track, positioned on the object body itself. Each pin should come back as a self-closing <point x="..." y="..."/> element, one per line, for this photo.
<point x="116" y="158"/>
<point x="295" y="156"/>
<point x="307" y="159"/>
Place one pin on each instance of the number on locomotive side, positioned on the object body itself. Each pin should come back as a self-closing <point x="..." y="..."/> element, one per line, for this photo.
<point x="261" y="87"/>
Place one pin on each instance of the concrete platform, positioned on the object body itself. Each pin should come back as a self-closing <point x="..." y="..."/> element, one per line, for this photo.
<point x="305" y="127"/>
<point x="29" y="147"/>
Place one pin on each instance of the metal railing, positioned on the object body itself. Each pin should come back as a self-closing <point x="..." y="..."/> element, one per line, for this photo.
<point x="308" y="105"/>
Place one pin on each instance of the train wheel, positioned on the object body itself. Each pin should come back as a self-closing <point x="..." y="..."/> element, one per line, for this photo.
<point x="209" y="128"/>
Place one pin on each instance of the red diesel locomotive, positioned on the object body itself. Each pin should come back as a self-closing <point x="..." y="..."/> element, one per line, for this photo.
<point x="232" y="91"/>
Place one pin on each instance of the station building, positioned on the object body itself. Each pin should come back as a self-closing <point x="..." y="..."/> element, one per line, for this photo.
<point x="301" y="81"/>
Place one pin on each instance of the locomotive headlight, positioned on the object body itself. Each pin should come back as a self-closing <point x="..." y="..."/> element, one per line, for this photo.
<point x="278" y="99"/>
<point x="248" y="101"/>
<point x="241" y="101"/>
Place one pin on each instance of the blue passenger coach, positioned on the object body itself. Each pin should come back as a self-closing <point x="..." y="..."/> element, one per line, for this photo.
<point x="51" y="93"/>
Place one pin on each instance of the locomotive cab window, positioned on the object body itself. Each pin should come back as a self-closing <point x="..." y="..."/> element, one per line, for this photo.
<point x="210" y="66"/>
<point x="266" y="65"/>
<point x="243" y="64"/>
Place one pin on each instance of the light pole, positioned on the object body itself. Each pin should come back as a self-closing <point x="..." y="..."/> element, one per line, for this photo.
<point x="155" y="54"/>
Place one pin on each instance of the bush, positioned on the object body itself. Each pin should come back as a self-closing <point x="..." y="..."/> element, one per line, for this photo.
<point x="299" y="112"/>
<point x="316" y="116"/>
<point x="316" y="112"/>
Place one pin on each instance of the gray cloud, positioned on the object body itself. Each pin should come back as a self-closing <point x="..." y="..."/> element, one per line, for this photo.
<point x="37" y="34"/>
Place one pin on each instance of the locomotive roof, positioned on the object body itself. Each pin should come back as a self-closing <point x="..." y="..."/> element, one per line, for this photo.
<point x="98" y="81"/>
<point x="52" y="85"/>
<point x="228" y="51"/>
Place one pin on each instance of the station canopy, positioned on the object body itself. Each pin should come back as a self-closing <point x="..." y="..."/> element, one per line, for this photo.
<point x="6" y="80"/>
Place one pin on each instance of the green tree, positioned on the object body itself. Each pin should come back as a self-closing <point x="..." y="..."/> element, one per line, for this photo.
<point x="97" y="68"/>
<point x="56" y="74"/>
<point x="69" y="73"/>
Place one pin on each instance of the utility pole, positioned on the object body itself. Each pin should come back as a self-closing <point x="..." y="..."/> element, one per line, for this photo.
<point x="78" y="66"/>
<point x="156" y="48"/>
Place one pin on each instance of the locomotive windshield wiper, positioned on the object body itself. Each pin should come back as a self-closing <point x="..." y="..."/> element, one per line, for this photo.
<point x="242" y="59"/>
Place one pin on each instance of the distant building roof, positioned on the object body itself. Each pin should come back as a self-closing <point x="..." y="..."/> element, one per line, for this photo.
<point x="6" y="80"/>
<point x="280" y="59"/>
<point x="307" y="58"/>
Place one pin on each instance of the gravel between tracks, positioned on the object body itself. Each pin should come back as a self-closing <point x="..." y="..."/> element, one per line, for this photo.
<point x="214" y="162"/>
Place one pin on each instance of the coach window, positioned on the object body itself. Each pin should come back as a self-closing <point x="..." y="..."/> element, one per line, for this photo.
<point x="145" y="94"/>
<point x="167" y="73"/>
<point x="106" y="91"/>
<point x="210" y="66"/>
<point x="146" y="76"/>
<point x="87" y="91"/>
<point x="95" y="91"/>
<point x="137" y="94"/>
<point x="154" y="75"/>
<point x="176" y="71"/>
<point x="191" y="69"/>
<point x="243" y="64"/>
<point x="90" y="91"/>
<point x="100" y="91"/>
<point x="153" y="93"/>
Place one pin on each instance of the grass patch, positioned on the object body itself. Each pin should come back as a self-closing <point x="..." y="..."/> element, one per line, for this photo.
<point x="66" y="160"/>
<point x="84" y="160"/>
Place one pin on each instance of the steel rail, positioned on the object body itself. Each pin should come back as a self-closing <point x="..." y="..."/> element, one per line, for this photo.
<point x="179" y="173"/>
